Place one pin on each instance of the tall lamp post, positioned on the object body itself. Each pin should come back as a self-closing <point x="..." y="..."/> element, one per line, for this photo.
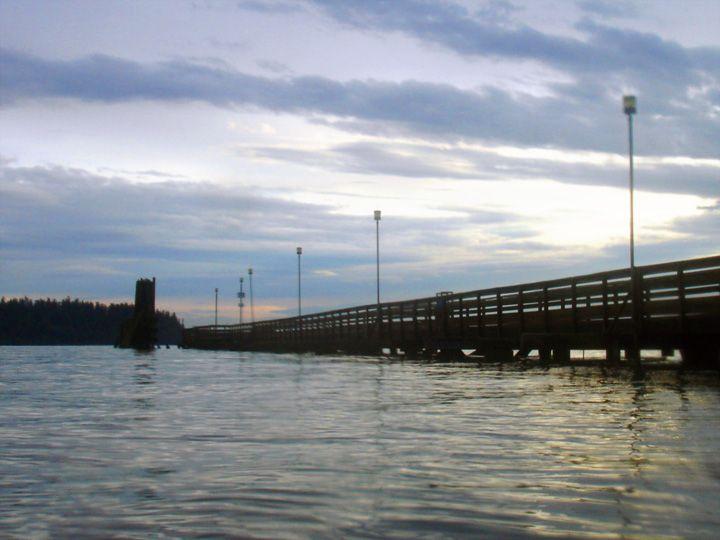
<point x="298" y="250"/>
<point x="216" y="294"/>
<point x="241" y="303"/>
<point x="630" y="108"/>
<point x="252" y="304"/>
<point x="633" y="353"/>
<point x="377" y="252"/>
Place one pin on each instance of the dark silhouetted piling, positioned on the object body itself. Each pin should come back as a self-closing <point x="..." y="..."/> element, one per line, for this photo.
<point x="140" y="331"/>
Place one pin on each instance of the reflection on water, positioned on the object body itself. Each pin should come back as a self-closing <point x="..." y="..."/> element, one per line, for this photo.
<point x="144" y="378"/>
<point x="105" y="442"/>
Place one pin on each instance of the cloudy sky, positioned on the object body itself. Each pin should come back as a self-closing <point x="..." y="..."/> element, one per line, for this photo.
<point x="191" y="140"/>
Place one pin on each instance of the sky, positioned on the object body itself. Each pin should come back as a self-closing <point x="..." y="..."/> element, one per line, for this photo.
<point x="191" y="140"/>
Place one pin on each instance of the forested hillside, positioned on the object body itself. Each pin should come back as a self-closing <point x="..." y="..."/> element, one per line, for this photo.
<point x="72" y="322"/>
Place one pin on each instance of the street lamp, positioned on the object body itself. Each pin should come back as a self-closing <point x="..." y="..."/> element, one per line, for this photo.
<point x="216" y="293"/>
<point x="252" y="305"/>
<point x="630" y="108"/>
<point x="633" y="353"/>
<point x="241" y="303"/>
<point x="299" y="253"/>
<point x="377" y="252"/>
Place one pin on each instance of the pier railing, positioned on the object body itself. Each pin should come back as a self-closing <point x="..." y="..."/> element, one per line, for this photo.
<point x="661" y="305"/>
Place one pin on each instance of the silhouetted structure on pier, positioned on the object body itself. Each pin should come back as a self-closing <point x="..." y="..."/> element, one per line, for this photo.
<point x="140" y="332"/>
<point x="666" y="306"/>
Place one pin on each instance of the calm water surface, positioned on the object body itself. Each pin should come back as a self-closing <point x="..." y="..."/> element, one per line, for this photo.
<point x="97" y="442"/>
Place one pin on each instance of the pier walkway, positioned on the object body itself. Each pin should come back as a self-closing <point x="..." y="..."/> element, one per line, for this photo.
<point x="669" y="306"/>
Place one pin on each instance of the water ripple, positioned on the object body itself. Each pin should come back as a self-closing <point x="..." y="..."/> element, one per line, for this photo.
<point x="97" y="442"/>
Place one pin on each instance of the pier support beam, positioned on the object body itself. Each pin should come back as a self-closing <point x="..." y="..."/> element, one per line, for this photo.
<point x="632" y="354"/>
<point x="700" y="357"/>
<point x="561" y="355"/>
<point x="612" y="354"/>
<point x="412" y="354"/>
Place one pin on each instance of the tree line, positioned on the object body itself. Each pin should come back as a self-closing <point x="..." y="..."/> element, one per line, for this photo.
<point x="24" y="321"/>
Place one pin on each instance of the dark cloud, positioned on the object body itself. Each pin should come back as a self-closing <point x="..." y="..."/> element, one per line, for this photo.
<point x="456" y="28"/>
<point x="468" y="33"/>
<point x="603" y="63"/>
<point x="582" y="119"/>
<point x="56" y="211"/>
<point x="74" y="211"/>
<point x="496" y="11"/>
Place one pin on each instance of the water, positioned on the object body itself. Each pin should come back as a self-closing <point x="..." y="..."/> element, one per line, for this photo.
<point x="97" y="442"/>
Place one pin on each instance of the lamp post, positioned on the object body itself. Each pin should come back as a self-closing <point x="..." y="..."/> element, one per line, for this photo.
<point x="630" y="108"/>
<point x="633" y="352"/>
<point x="252" y="305"/>
<point x="377" y="252"/>
<point x="299" y="253"/>
<point x="216" y="294"/>
<point x="241" y="303"/>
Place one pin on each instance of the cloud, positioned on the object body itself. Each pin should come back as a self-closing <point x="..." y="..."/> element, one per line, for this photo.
<point x="273" y="66"/>
<point x="270" y="7"/>
<point x="679" y="83"/>
<point x="609" y="9"/>
<point x="415" y="160"/>
<point x="578" y="117"/>
<point x="63" y="213"/>
<point x="264" y="7"/>
<point x="75" y="211"/>
<point x="66" y="230"/>
<point x="478" y="34"/>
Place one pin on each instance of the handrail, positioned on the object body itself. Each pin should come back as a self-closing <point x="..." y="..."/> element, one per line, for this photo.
<point x="506" y="289"/>
<point x="665" y="290"/>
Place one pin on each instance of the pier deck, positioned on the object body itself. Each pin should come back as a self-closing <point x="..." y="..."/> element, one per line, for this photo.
<point x="667" y="306"/>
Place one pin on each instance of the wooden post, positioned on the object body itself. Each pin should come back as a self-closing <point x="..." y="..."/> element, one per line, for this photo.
<point x="546" y="310"/>
<point x="480" y="316"/>
<point x="428" y="316"/>
<point x="390" y="326"/>
<point x="681" y="298"/>
<point x="379" y="324"/>
<point x="416" y="331"/>
<point x="332" y="327"/>
<point x="574" y="306"/>
<point x="445" y="314"/>
<point x="499" y="313"/>
<point x="606" y="312"/>
<point x="638" y="304"/>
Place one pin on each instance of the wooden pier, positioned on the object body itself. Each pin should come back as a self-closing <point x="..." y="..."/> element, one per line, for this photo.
<point x="669" y="306"/>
